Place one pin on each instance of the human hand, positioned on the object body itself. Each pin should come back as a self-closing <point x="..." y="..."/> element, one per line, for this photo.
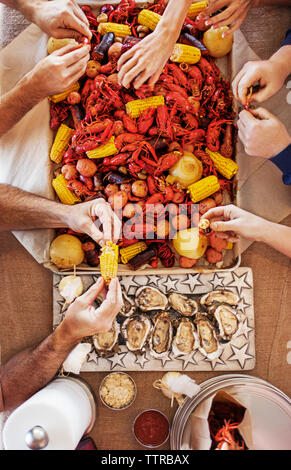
<point x="82" y="319"/>
<point x="82" y="218"/>
<point x="226" y="220"/>
<point x="262" y="134"/>
<point x="269" y="76"/>
<point x="58" y="71"/>
<point x="233" y="15"/>
<point x="137" y="65"/>
<point x="61" y="19"/>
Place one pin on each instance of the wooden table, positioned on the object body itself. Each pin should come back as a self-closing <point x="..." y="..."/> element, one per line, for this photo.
<point x="26" y="296"/>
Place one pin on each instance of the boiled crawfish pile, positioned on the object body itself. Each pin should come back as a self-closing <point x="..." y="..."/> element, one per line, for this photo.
<point x="197" y="113"/>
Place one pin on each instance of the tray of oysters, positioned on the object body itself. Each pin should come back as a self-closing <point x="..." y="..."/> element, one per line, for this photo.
<point x="189" y="322"/>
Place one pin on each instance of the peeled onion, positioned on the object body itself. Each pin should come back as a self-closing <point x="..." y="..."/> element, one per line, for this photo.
<point x="187" y="170"/>
<point x="70" y="288"/>
<point x="66" y="251"/>
<point x="215" y="43"/>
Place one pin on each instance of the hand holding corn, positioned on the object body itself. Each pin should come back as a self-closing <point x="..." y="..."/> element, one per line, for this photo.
<point x="59" y="71"/>
<point x="83" y="319"/>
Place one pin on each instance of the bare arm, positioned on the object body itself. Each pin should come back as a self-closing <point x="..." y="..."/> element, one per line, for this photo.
<point x="137" y="65"/>
<point x="32" y="369"/>
<point x="20" y="210"/>
<point x="278" y="237"/>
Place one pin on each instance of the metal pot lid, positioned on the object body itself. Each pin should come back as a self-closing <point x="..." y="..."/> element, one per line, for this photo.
<point x="275" y="404"/>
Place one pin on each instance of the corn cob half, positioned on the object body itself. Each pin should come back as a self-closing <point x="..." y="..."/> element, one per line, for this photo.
<point x="105" y="150"/>
<point x="120" y="30"/>
<point x="63" y="96"/>
<point x="137" y="107"/>
<point x="197" y="8"/>
<point x="203" y="188"/>
<point x="109" y="262"/>
<point x="149" y="19"/>
<point x="126" y="254"/>
<point x="65" y="195"/>
<point x="226" y="166"/>
<point x="185" y="54"/>
<point x="61" y="143"/>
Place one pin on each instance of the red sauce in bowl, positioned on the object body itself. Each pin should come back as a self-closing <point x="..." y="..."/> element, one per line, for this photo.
<point x="151" y="428"/>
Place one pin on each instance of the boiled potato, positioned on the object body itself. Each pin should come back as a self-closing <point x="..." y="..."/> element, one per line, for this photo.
<point x="66" y="251"/>
<point x="54" y="44"/>
<point x="215" y="43"/>
<point x="190" y="243"/>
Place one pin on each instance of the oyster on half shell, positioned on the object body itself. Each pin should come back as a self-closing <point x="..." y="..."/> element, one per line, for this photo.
<point x="228" y="321"/>
<point x="106" y="343"/>
<point x="149" y="298"/>
<point x="208" y="342"/>
<point x="136" y="330"/>
<point x="128" y="308"/>
<point x="162" y="335"/>
<point x="222" y="296"/>
<point x="183" y="304"/>
<point x="184" y="341"/>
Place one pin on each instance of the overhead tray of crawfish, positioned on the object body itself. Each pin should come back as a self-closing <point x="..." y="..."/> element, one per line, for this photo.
<point x="161" y="157"/>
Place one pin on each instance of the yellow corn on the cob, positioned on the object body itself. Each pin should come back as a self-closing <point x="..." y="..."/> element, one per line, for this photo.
<point x="105" y="150"/>
<point x="149" y="19"/>
<point x="226" y="166"/>
<point x="120" y="30"/>
<point x="63" y="96"/>
<point x="137" y="107"/>
<point x="185" y="54"/>
<point x="109" y="262"/>
<point x="126" y="254"/>
<point x="229" y="246"/>
<point x="65" y="195"/>
<point x="61" y="143"/>
<point x="203" y="188"/>
<point x="196" y="8"/>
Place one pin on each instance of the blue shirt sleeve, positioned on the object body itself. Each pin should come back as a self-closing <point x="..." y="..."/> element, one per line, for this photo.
<point x="287" y="41"/>
<point x="283" y="162"/>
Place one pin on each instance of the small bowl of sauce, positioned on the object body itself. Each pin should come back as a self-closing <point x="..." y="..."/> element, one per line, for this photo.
<point x="151" y="428"/>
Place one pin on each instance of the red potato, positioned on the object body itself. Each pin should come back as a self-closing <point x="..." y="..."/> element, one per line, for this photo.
<point x="111" y="189"/>
<point x="217" y="243"/>
<point x="118" y="128"/>
<point x="113" y="79"/>
<point x="187" y="262"/>
<point x="206" y="205"/>
<point x="189" y="148"/>
<point x="86" y="167"/>
<point x="178" y="197"/>
<point x="218" y="198"/>
<point x="163" y="229"/>
<point x="180" y="222"/>
<point x="213" y="256"/>
<point x="126" y="187"/>
<point x="129" y="211"/>
<point x="69" y="171"/>
<point x="114" y="51"/>
<point x="118" y="200"/>
<point x="74" y="97"/>
<point x="139" y="188"/>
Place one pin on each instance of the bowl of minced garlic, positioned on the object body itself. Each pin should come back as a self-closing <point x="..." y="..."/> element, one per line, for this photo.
<point x="117" y="391"/>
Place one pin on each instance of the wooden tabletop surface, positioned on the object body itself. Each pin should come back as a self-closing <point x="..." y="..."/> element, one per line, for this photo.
<point x="26" y="297"/>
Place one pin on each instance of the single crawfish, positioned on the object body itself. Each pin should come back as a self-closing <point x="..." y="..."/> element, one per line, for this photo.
<point x="80" y="189"/>
<point x="146" y="120"/>
<point x="213" y="133"/>
<point x="166" y="162"/>
<point x="226" y="148"/>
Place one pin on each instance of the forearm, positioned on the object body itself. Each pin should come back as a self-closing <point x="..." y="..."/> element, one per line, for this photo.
<point x="277" y="236"/>
<point x="174" y="17"/>
<point x="32" y="369"/>
<point x="282" y="60"/>
<point x="18" y="101"/>
<point x="20" y="210"/>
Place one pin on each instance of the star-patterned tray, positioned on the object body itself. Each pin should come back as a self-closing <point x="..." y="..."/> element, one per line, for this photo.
<point x="236" y="355"/>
